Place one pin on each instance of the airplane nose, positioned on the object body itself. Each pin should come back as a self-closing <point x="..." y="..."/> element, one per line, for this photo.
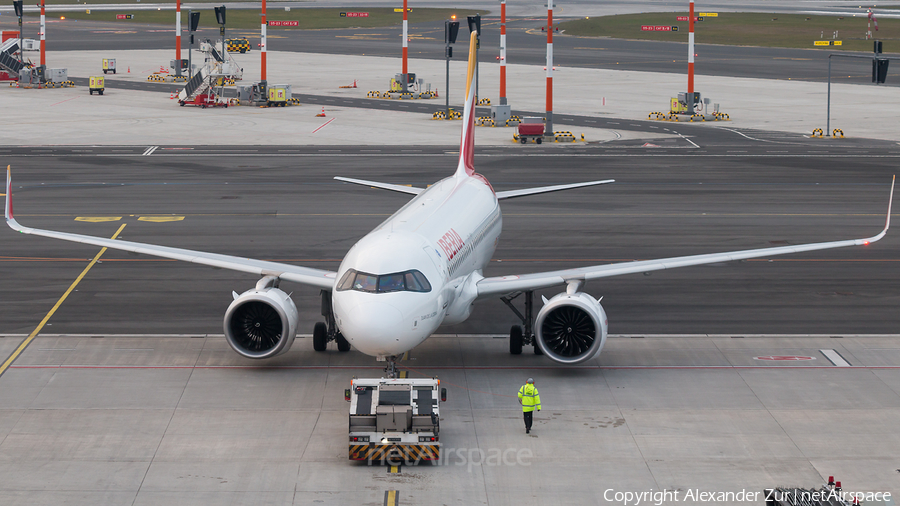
<point x="373" y="328"/>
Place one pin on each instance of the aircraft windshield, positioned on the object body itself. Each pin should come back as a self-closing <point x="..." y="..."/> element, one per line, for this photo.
<point x="409" y="281"/>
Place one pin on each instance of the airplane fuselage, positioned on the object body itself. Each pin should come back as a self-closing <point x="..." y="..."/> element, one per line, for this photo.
<point x="446" y="235"/>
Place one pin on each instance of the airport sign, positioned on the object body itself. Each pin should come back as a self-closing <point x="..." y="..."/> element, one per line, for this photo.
<point x="685" y="18"/>
<point x="828" y="43"/>
<point x="401" y="10"/>
<point x="658" y="28"/>
<point x="124" y="16"/>
<point x="284" y="23"/>
<point x="708" y="14"/>
<point x="356" y="14"/>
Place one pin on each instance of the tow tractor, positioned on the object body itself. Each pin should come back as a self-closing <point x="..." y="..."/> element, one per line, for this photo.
<point x="395" y="420"/>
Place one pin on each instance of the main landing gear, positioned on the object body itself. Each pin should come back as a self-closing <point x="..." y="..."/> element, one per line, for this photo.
<point x="323" y="332"/>
<point x="523" y="335"/>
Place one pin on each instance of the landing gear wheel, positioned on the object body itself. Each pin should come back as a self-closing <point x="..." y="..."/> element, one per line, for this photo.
<point x="320" y="336"/>
<point x="515" y="340"/>
<point x="342" y="342"/>
<point x="537" y="349"/>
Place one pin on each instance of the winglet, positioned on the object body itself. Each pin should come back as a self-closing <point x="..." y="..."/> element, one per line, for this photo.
<point x="8" y="206"/>
<point x="466" y="165"/>
<point x="887" y="220"/>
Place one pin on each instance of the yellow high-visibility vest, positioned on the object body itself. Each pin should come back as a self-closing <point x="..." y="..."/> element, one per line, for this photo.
<point x="530" y="398"/>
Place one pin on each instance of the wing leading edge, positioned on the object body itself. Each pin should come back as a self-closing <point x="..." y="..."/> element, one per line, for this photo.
<point x="305" y="275"/>
<point x="505" y="284"/>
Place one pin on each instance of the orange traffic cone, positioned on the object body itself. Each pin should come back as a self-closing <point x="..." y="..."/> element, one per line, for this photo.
<point x="129" y="69"/>
<point x="321" y="114"/>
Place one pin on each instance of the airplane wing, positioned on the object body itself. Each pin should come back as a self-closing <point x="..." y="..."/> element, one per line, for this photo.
<point x="316" y="277"/>
<point x="384" y="186"/>
<point x="506" y="284"/>
<point x="547" y="189"/>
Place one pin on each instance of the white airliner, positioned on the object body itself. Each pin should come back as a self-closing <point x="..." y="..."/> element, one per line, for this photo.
<point x="420" y="269"/>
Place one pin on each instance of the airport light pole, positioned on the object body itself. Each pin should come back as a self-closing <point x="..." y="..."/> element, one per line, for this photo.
<point x="220" y="18"/>
<point x="548" y="128"/>
<point x="262" y="44"/>
<point x="451" y="30"/>
<point x="405" y="74"/>
<point x="503" y="52"/>
<point x="193" y="22"/>
<point x="43" y="28"/>
<point x="475" y="26"/>
<point x="177" y="37"/>
<point x="690" y="90"/>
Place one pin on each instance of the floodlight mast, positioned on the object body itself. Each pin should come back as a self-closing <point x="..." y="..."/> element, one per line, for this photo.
<point x="177" y="37"/>
<point x="43" y="29"/>
<point x="405" y="69"/>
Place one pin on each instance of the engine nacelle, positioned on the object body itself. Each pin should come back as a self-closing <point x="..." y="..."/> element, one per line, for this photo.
<point x="571" y="328"/>
<point x="261" y="323"/>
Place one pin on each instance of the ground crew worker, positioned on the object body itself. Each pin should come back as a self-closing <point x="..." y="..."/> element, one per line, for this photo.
<point x="530" y="400"/>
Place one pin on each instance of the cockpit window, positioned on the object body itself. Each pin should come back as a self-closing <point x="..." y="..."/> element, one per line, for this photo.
<point x="409" y="281"/>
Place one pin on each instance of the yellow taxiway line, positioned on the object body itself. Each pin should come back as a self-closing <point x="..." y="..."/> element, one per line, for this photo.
<point x="56" y="306"/>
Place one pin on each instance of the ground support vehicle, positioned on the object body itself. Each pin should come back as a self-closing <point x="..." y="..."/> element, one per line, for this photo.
<point x="530" y="129"/>
<point x="395" y="420"/>
<point x="97" y="83"/>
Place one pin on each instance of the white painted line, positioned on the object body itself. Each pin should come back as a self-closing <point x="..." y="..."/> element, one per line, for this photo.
<point x="685" y="138"/>
<point x="835" y="358"/>
<point x="150" y="150"/>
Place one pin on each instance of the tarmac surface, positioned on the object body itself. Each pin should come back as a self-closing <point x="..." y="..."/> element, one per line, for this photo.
<point x="722" y="378"/>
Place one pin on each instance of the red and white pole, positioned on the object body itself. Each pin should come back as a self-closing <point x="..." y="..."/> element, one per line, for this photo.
<point x="177" y="37"/>
<point x="43" y="28"/>
<point x="691" y="55"/>
<point x="549" y="125"/>
<point x="262" y="43"/>
<point x="503" y="52"/>
<point x="405" y="47"/>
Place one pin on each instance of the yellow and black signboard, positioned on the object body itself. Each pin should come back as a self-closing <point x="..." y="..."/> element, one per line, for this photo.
<point x="708" y="14"/>
<point x="401" y="10"/>
<point x="237" y="45"/>
<point x="828" y="42"/>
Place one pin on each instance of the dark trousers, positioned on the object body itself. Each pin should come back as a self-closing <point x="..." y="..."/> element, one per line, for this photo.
<point x="529" y="416"/>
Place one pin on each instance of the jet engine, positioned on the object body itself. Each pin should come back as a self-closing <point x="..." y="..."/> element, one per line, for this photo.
<point x="571" y="328"/>
<point x="261" y="323"/>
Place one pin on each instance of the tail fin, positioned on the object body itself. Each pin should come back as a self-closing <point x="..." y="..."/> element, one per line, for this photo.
<point x="466" y="165"/>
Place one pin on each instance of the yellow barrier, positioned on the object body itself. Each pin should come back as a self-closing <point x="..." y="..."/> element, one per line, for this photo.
<point x="836" y="131"/>
<point x="485" y="120"/>
<point x="818" y="133"/>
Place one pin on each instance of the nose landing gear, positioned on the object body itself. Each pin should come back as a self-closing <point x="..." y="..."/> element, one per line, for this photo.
<point x="390" y="370"/>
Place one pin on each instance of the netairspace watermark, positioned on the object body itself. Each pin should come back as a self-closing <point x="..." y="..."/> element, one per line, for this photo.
<point x="477" y="457"/>
<point x="695" y="496"/>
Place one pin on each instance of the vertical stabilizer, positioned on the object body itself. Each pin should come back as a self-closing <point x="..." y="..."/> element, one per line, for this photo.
<point x="467" y="139"/>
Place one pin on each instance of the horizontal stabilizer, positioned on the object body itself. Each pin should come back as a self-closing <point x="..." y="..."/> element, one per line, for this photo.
<point x="385" y="186"/>
<point x="547" y="189"/>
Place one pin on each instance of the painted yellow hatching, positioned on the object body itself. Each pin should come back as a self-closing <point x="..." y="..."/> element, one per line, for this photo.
<point x="97" y="219"/>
